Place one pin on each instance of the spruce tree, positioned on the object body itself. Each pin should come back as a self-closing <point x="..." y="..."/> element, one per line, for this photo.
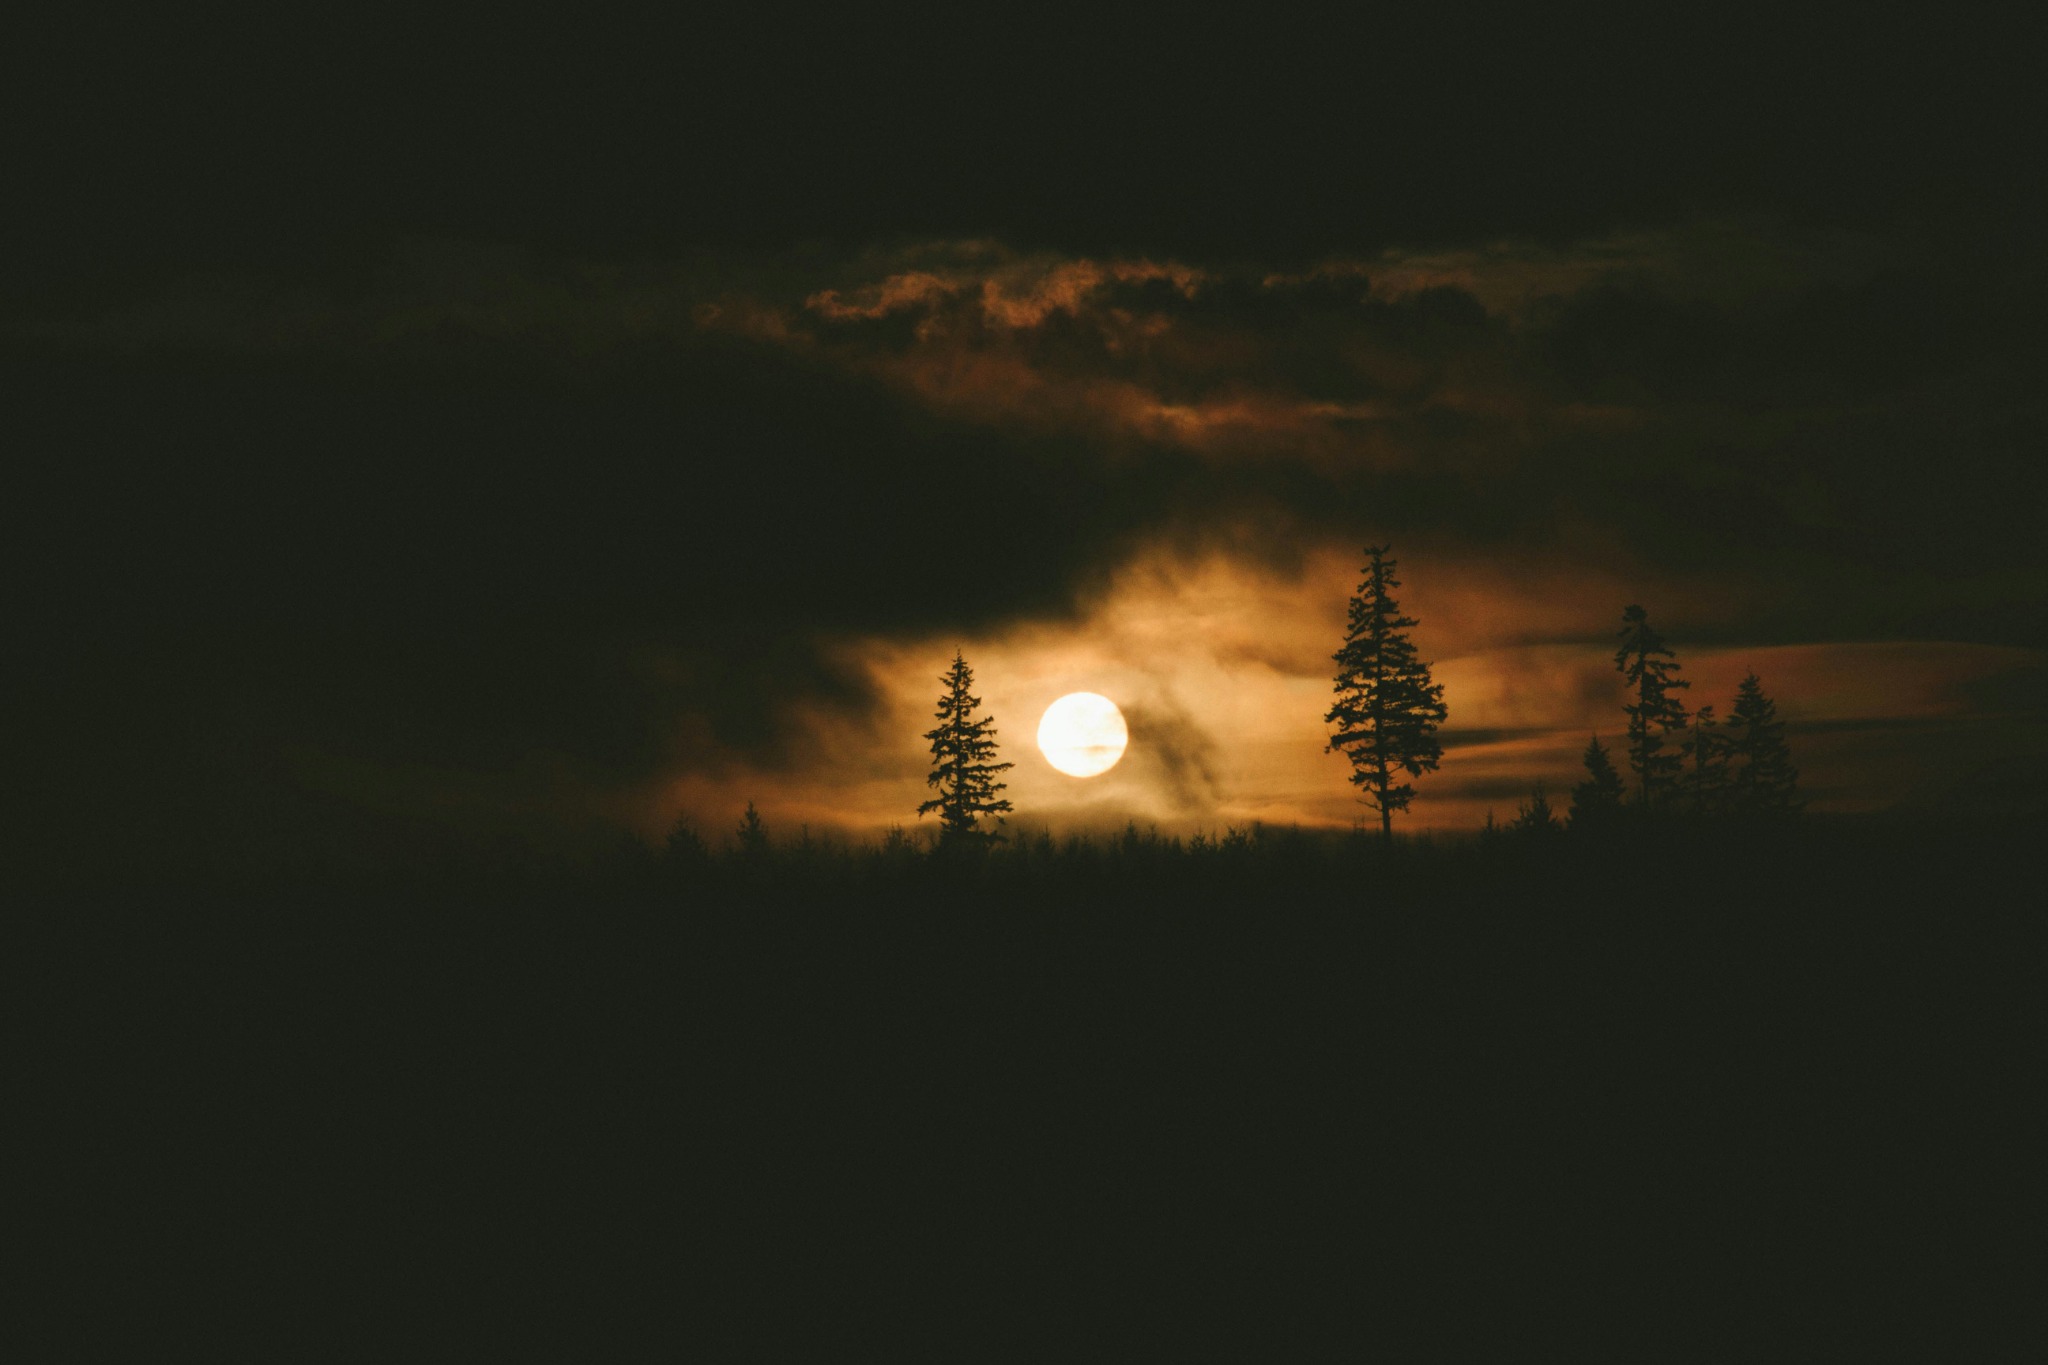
<point x="1387" y="710"/>
<point x="1534" y="818"/>
<point x="1762" y="780"/>
<point x="1596" y="802"/>
<point x="683" y="849"/>
<point x="752" y="835"/>
<point x="1648" y="665"/>
<point x="1705" y="754"/>
<point x="962" y="770"/>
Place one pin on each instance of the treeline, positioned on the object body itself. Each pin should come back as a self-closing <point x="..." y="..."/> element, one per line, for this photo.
<point x="1258" y="857"/>
<point x="1141" y="863"/>
<point x="752" y="851"/>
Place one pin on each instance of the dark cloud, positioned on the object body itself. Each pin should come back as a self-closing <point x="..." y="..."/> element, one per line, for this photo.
<point x="461" y="415"/>
<point x="168" y="138"/>
<point x="1768" y="406"/>
<point x="503" y="567"/>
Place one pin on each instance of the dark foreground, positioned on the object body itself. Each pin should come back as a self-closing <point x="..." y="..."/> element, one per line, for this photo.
<point x="1709" y="1095"/>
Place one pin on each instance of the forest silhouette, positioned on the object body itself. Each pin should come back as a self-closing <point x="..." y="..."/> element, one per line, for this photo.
<point x="1603" y="1067"/>
<point x="1596" y="1078"/>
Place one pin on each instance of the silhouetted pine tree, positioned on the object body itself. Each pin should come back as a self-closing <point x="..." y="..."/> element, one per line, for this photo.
<point x="752" y="835"/>
<point x="1648" y="665"/>
<point x="683" y="850"/>
<point x="1387" y="709"/>
<point x="1596" y="802"/>
<point x="962" y="748"/>
<point x="1705" y="750"/>
<point x="1533" y="817"/>
<point x="1762" y="780"/>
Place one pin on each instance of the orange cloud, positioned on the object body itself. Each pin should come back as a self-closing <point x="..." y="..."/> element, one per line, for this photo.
<point x="1196" y="374"/>
<point x="892" y="295"/>
<point x="1021" y="303"/>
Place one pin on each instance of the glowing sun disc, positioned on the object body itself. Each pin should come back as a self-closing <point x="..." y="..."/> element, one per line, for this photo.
<point x="1083" y="734"/>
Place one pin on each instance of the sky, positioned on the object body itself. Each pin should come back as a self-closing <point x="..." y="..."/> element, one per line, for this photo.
<point x="472" y="429"/>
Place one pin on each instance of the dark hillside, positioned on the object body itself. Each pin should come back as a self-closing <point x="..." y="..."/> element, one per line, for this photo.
<point x="1679" y="1097"/>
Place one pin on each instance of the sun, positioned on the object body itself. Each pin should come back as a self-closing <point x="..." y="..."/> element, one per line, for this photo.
<point x="1083" y="734"/>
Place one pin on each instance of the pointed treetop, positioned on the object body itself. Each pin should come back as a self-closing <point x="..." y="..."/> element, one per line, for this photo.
<point x="1387" y="708"/>
<point x="1762" y="779"/>
<point x="1596" y="802"/>
<point x="963" y="767"/>
<point x="1649" y="667"/>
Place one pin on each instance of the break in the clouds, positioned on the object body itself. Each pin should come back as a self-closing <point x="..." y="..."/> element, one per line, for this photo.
<point x="489" y="538"/>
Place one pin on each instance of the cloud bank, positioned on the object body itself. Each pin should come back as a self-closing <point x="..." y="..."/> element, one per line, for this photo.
<point x="492" y="539"/>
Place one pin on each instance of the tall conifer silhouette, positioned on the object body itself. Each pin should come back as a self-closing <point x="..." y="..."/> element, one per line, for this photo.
<point x="962" y="770"/>
<point x="1648" y="665"/>
<point x="1762" y="780"/>
<point x="1387" y="710"/>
